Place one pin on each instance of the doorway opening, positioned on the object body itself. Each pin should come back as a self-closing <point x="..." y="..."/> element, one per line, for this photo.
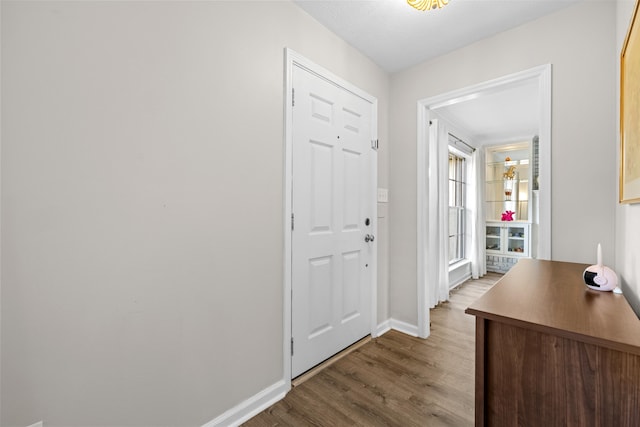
<point x="439" y="106"/>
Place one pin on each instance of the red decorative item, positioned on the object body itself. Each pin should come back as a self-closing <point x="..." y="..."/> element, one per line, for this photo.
<point x="507" y="215"/>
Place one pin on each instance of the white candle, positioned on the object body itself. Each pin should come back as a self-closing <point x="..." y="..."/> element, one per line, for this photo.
<point x="599" y="255"/>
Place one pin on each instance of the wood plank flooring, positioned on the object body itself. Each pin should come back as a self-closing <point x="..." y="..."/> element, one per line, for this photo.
<point x="395" y="379"/>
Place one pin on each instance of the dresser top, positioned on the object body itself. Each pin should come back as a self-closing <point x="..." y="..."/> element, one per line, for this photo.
<point x="551" y="297"/>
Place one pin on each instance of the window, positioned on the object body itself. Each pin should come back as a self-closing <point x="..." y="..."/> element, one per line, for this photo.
<point x="457" y="207"/>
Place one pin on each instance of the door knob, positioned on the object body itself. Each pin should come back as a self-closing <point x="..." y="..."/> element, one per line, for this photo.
<point x="369" y="238"/>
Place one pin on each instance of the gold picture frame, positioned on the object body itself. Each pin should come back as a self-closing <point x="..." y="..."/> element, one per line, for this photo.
<point x="630" y="113"/>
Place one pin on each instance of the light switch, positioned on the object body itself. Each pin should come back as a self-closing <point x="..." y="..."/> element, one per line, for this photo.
<point x="383" y="195"/>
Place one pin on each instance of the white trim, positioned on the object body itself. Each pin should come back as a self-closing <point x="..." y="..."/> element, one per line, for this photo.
<point x="383" y="328"/>
<point x="459" y="273"/>
<point x="404" y="327"/>
<point x="425" y="106"/>
<point x="288" y="209"/>
<point x="374" y="220"/>
<point x="471" y="92"/>
<point x="424" y="318"/>
<point x="453" y="285"/>
<point x="544" y="208"/>
<point x="251" y="407"/>
<point x="397" y="325"/>
<point x="293" y="59"/>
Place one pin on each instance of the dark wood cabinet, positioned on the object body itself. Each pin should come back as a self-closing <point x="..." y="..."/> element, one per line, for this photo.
<point x="551" y="352"/>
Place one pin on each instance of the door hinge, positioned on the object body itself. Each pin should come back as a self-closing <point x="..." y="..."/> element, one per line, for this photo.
<point x="292" y="346"/>
<point x="292" y="221"/>
<point x="293" y="97"/>
<point x="374" y="144"/>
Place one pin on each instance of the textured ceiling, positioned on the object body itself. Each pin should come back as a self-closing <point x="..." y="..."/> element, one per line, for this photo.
<point x="396" y="36"/>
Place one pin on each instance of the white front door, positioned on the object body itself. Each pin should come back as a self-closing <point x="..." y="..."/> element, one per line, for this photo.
<point x="332" y="219"/>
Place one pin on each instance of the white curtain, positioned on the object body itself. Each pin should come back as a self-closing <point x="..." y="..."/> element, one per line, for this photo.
<point x="437" y="268"/>
<point x="477" y="254"/>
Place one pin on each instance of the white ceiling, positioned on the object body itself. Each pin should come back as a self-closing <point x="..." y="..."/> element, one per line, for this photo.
<point x="396" y="36"/>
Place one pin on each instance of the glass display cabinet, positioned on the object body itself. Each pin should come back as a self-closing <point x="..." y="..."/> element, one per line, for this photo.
<point x="508" y="238"/>
<point x="508" y="205"/>
<point x="507" y="189"/>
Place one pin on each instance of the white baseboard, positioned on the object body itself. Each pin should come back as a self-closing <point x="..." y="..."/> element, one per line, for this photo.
<point x="251" y="407"/>
<point x="38" y="424"/>
<point x="459" y="281"/>
<point x="398" y="325"/>
<point x="405" y="328"/>
<point x="267" y="397"/>
<point x="383" y="328"/>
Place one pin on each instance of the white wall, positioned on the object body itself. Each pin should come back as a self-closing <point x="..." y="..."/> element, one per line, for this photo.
<point x="627" y="216"/>
<point x="579" y="42"/>
<point x="142" y="205"/>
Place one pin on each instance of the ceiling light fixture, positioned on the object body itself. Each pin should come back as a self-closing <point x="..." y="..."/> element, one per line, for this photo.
<point x="427" y="4"/>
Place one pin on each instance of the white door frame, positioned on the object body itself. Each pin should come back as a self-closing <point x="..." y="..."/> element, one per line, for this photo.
<point x="293" y="59"/>
<point x="543" y="76"/>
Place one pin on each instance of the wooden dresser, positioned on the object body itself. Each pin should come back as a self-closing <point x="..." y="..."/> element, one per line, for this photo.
<point x="550" y="352"/>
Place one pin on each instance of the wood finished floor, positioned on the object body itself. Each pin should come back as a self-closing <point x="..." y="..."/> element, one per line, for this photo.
<point x="396" y="379"/>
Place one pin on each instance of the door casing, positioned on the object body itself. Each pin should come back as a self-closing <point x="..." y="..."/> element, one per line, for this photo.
<point x="542" y="74"/>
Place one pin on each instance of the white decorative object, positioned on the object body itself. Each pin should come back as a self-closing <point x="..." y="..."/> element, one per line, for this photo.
<point x="598" y="277"/>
